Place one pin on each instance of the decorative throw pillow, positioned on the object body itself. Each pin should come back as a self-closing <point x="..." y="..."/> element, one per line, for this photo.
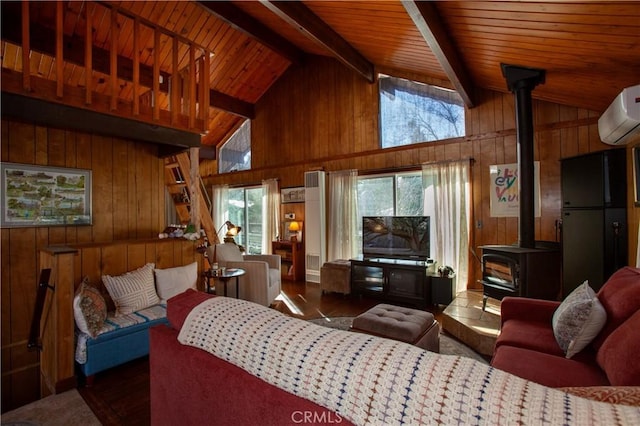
<point x="89" y="308"/>
<point x="132" y="291"/>
<point x="172" y="281"/>
<point x="578" y="320"/>
<point x="625" y="395"/>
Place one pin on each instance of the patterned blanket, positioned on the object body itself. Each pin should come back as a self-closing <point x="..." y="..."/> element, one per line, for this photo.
<point x="376" y="381"/>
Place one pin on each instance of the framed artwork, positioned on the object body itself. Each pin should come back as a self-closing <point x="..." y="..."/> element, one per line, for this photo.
<point x="292" y="195"/>
<point x="44" y="196"/>
<point x="504" y="195"/>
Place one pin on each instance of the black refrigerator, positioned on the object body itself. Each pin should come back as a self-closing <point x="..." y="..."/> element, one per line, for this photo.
<point x="594" y="217"/>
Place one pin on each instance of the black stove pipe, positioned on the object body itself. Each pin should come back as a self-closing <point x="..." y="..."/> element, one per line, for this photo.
<point x="521" y="81"/>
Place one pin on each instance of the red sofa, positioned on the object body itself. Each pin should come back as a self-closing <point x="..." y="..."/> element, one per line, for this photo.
<point x="191" y="385"/>
<point x="526" y="346"/>
<point x="203" y="389"/>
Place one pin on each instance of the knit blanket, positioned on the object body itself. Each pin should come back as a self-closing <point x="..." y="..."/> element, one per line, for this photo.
<point x="375" y="381"/>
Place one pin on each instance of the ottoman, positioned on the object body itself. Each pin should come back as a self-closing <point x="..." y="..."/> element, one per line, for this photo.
<point x="336" y="276"/>
<point x="416" y="327"/>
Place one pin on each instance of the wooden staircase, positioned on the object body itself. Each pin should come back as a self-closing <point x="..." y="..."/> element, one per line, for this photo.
<point x="180" y="186"/>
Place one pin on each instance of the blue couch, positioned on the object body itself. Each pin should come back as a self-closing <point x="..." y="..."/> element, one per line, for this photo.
<point x="122" y="339"/>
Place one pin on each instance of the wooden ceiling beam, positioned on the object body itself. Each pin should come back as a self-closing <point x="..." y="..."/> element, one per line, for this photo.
<point x="428" y="21"/>
<point x="304" y="20"/>
<point x="255" y="29"/>
<point x="43" y="41"/>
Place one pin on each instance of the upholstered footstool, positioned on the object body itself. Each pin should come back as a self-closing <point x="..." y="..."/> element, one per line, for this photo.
<point x="336" y="276"/>
<point x="395" y="322"/>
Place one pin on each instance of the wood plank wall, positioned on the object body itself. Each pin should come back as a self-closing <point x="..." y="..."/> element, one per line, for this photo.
<point x="321" y="115"/>
<point x="317" y="115"/>
<point x="128" y="203"/>
<point x="93" y="260"/>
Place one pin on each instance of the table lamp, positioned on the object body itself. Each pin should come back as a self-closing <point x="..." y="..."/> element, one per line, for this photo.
<point x="294" y="227"/>
<point x="232" y="231"/>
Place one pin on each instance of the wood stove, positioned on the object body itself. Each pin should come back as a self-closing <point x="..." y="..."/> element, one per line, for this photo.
<point x="521" y="271"/>
<point x="530" y="268"/>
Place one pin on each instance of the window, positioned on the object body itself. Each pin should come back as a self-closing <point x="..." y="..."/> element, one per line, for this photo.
<point x="412" y="112"/>
<point x="235" y="153"/>
<point x="398" y="194"/>
<point x="245" y="210"/>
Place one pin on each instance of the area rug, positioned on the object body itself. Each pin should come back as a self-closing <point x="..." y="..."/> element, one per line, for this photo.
<point x="67" y="408"/>
<point x="448" y="344"/>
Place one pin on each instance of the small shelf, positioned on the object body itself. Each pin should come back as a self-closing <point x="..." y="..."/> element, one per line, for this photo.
<point x="291" y="259"/>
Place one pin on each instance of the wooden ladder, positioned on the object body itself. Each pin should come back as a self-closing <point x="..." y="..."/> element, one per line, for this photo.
<point x="178" y="181"/>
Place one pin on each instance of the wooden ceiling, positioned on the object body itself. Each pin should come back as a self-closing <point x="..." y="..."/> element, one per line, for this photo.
<point x="590" y="50"/>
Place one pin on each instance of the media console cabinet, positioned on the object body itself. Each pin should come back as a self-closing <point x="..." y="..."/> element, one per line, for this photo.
<point x="399" y="280"/>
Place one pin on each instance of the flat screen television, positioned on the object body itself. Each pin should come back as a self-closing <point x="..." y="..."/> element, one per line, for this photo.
<point x="397" y="237"/>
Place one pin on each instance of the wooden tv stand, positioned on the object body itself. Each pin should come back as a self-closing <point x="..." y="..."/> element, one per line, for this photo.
<point x="392" y="280"/>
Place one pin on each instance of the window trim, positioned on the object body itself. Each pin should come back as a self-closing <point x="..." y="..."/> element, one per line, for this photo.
<point x="222" y="145"/>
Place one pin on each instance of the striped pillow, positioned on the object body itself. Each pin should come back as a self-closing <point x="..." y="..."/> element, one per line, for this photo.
<point x="132" y="291"/>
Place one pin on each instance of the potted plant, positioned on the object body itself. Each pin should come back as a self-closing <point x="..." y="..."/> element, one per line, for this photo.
<point x="446" y="271"/>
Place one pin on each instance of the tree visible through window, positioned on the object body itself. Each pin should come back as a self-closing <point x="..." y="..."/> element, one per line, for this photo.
<point x="235" y="153"/>
<point x="245" y="210"/>
<point x="412" y="112"/>
<point x="397" y="194"/>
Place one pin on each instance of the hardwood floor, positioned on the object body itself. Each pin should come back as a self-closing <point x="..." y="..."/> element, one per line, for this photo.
<point x="306" y="301"/>
<point x="120" y="396"/>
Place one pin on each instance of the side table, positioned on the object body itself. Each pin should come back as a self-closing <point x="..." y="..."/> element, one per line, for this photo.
<point x="223" y="277"/>
<point x="442" y="290"/>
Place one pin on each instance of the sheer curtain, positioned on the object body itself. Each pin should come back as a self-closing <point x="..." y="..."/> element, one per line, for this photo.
<point x="271" y="213"/>
<point x="343" y="202"/>
<point x="447" y="199"/>
<point x="220" y="205"/>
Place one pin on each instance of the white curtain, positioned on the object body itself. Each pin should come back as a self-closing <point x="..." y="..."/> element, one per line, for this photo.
<point x="220" y="208"/>
<point x="448" y="201"/>
<point x="343" y="202"/>
<point x="271" y="213"/>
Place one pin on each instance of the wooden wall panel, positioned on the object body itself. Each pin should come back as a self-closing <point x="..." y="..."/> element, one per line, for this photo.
<point x="136" y="256"/>
<point x="89" y="264"/>
<point x="320" y="115"/>
<point x="121" y="211"/>
<point x="316" y="115"/>
<point x="122" y="216"/>
<point x="58" y="349"/>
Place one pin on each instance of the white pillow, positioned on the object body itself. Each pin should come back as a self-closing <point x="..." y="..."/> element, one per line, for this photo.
<point x="578" y="320"/>
<point x="172" y="281"/>
<point x="132" y="291"/>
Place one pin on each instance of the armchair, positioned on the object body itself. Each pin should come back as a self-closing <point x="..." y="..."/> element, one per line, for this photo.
<point x="261" y="283"/>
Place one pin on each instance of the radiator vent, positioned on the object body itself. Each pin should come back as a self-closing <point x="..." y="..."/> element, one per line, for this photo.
<point x="315" y="224"/>
<point x="311" y="180"/>
<point x="313" y="263"/>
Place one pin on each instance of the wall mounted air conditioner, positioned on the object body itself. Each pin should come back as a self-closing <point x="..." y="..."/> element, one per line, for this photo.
<point x="315" y="224"/>
<point x="621" y="121"/>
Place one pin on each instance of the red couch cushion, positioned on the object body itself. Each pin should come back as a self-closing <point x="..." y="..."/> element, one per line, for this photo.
<point x="179" y="306"/>
<point x="533" y="335"/>
<point x="620" y="297"/>
<point x="618" y="355"/>
<point x="525" y="308"/>
<point x="189" y="386"/>
<point x="549" y="370"/>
